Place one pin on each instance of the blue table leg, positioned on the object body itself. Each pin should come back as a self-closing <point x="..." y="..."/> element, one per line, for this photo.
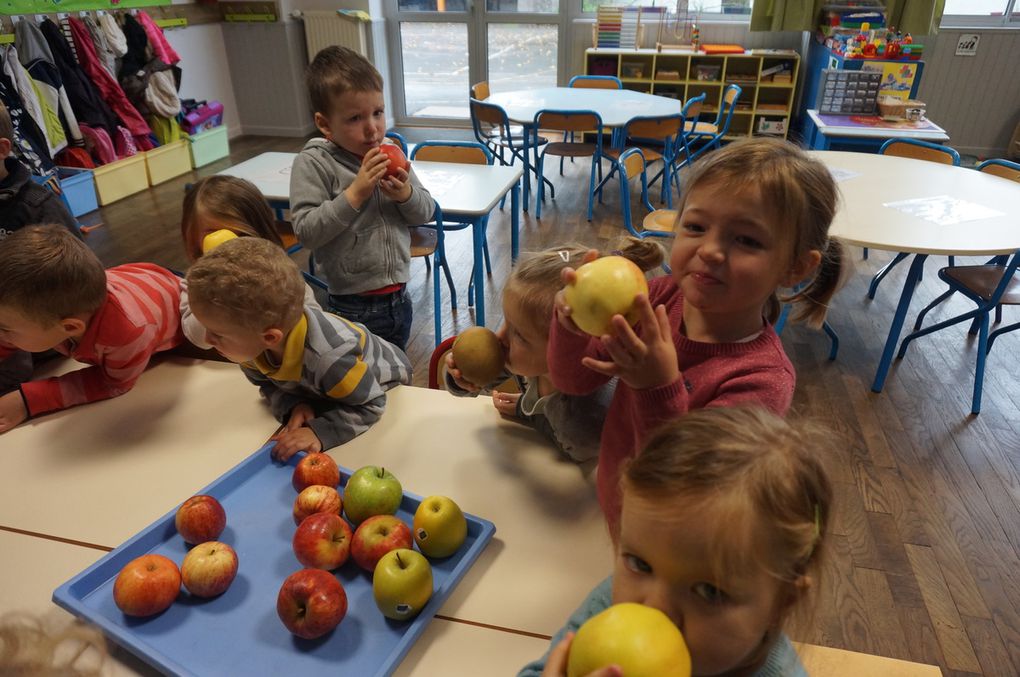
<point x="906" y="295"/>
<point x="478" y="237"/>
<point x="515" y="221"/>
<point x="526" y="133"/>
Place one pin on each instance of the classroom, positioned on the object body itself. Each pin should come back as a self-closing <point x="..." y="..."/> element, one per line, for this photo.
<point x="609" y="337"/>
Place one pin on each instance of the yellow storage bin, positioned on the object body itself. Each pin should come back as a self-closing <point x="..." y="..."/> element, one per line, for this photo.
<point x="166" y="162"/>
<point x="120" y="179"/>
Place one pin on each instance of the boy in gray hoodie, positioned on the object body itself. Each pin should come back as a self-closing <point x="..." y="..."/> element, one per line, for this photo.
<point x="347" y="209"/>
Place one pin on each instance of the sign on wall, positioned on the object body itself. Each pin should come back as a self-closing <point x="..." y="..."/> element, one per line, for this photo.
<point x="967" y="44"/>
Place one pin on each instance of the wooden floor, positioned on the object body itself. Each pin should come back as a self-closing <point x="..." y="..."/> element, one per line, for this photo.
<point x="925" y="542"/>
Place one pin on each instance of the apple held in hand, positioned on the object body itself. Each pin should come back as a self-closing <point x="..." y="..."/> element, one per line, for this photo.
<point x="199" y="519"/>
<point x="439" y="526"/>
<point x="147" y="585"/>
<point x="315" y="469"/>
<point x="209" y="568"/>
<point x="397" y="159"/>
<point x="323" y="541"/>
<point x="479" y="355"/>
<point x="402" y="584"/>
<point x="640" y="639"/>
<point x="311" y="602"/>
<point x="216" y="238"/>
<point x="371" y="491"/>
<point x="377" y="536"/>
<point x="316" y="498"/>
<point x="604" y="287"/>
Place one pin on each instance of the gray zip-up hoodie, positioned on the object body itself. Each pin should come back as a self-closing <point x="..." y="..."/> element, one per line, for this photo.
<point x="355" y="250"/>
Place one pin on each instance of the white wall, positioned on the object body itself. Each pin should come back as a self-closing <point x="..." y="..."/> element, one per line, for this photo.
<point x="205" y="71"/>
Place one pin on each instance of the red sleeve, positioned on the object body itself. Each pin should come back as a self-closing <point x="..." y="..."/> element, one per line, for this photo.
<point x="563" y="355"/>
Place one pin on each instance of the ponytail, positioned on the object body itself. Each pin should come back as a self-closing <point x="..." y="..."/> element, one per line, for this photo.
<point x="646" y="254"/>
<point x="811" y="303"/>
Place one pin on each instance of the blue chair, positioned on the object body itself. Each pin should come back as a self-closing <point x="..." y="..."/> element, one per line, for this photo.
<point x="489" y="115"/>
<point x="398" y="138"/>
<point x="989" y="286"/>
<point x="639" y="131"/>
<point x="590" y="82"/>
<point x="917" y="150"/>
<point x="1003" y="168"/>
<point x="569" y="122"/>
<point x="710" y="134"/>
<point x="632" y="163"/>
<point x="784" y="315"/>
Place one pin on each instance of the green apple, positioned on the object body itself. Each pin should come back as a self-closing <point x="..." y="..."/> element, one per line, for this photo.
<point x="439" y="526"/>
<point x="370" y="491"/>
<point x="638" y="638"/>
<point x="402" y="584"/>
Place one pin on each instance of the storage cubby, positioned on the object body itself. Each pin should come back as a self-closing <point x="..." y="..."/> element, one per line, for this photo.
<point x="767" y="79"/>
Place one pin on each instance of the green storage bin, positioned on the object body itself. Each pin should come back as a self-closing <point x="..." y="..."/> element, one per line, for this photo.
<point x="209" y="146"/>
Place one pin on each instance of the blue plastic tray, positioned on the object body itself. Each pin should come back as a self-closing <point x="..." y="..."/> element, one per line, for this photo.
<point x="239" y="632"/>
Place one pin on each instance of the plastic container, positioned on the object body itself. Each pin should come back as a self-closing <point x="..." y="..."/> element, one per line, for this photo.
<point x="205" y="117"/>
<point x="166" y="162"/>
<point x="79" y="188"/>
<point x="119" y="179"/>
<point x="209" y="146"/>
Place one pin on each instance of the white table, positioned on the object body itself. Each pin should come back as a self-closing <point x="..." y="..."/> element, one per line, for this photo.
<point x="870" y="183"/>
<point x="462" y="192"/>
<point x="822" y="133"/>
<point x="615" y="106"/>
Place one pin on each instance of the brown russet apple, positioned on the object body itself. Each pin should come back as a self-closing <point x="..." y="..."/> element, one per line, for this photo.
<point x="199" y="519"/>
<point x="315" y="469"/>
<point x="322" y="541"/>
<point x="209" y="568"/>
<point x="147" y="585"/>
<point x="311" y="602"/>
<point x="316" y="498"/>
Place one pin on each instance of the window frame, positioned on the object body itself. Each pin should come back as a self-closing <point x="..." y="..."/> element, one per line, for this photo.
<point x="702" y="17"/>
<point x="1010" y="19"/>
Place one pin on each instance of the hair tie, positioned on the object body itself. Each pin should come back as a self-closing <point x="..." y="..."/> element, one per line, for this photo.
<point x="616" y="252"/>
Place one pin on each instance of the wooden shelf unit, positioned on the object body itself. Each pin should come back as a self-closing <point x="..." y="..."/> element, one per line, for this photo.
<point x="676" y="74"/>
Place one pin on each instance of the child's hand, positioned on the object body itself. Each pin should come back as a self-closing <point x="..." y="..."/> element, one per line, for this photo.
<point x="373" y="168"/>
<point x="506" y="403"/>
<point x="560" y="308"/>
<point x="648" y="361"/>
<point x="556" y="664"/>
<point x="12" y="410"/>
<point x="296" y="436"/>
<point x="457" y="376"/>
<point x="396" y="187"/>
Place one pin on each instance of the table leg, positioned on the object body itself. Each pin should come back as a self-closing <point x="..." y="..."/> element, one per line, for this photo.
<point x="906" y="295"/>
<point x="478" y="237"/>
<point x="515" y="221"/>
<point x="526" y="133"/>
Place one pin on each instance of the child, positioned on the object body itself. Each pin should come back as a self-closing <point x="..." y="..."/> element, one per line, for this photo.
<point x="345" y="209"/>
<point x="56" y="295"/>
<point x="325" y="377"/>
<point x="723" y="529"/>
<point x="754" y="216"/>
<point x="24" y="202"/>
<point x="573" y="423"/>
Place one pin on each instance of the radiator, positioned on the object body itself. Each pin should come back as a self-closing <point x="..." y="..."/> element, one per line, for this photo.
<point x="324" y="28"/>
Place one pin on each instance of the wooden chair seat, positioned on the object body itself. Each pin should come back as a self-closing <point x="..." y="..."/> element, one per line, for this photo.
<point x="289" y="240"/>
<point x="518" y="141"/>
<point x="566" y="149"/>
<point x="660" y="221"/>
<point x="424" y="241"/>
<point x="982" y="280"/>
<point x="651" y="155"/>
<point x="701" y="128"/>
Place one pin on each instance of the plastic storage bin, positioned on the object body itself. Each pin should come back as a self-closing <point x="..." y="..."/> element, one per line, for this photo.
<point x="121" y="178"/>
<point x="209" y="146"/>
<point x="166" y="162"/>
<point x="79" y="188"/>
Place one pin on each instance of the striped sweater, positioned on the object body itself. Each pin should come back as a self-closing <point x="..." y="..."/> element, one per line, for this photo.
<point x="339" y="368"/>
<point x="139" y="317"/>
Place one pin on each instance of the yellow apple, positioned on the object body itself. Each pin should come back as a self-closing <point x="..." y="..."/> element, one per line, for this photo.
<point x="402" y="584"/>
<point x="604" y="287"/>
<point x="479" y="355"/>
<point x="640" y="639"/>
<point x="439" y="526"/>
<point x="216" y="238"/>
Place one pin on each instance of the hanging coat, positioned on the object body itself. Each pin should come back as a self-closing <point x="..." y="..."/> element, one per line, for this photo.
<point x="29" y="143"/>
<point x="47" y="121"/>
<point x="161" y="49"/>
<point x="103" y="51"/>
<point x="37" y="59"/>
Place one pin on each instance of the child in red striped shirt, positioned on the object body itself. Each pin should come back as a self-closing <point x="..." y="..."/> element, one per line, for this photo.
<point x="54" y="294"/>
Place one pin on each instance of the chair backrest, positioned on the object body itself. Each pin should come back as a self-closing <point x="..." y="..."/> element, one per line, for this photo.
<point x="398" y="138"/>
<point x="480" y="90"/>
<point x="569" y="121"/>
<point x="726" y="107"/>
<point x="464" y="152"/>
<point x="1004" y="168"/>
<point x="485" y="116"/>
<point x="632" y="163"/>
<point x="595" y="82"/>
<point x="662" y="127"/>
<point x="921" y="150"/>
<point x="692" y="108"/>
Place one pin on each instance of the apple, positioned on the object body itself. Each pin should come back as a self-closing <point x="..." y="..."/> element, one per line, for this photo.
<point x="604" y="287"/>
<point x="322" y="541"/>
<point x="311" y="602"/>
<point x="377" y="536"/>
<point x="147" y="585"/>
<point x="199" y="519"/>
<point x="439" y="526"/>
<point x="640" y="639"/>
<point x="397" y="159"/>
<point x="315" y="469"/>
<point x="216" y="238"/>
<point x="479" y="355"/>
<point x="371" y="490"/>
<point x="402" y="584"/>
<point x="209" y="568"/>
<point x="316" y="498"/>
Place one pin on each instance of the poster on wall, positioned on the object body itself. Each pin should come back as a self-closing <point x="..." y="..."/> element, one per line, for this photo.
<point x="11" y="7"/>
<point x="897" y="77"/>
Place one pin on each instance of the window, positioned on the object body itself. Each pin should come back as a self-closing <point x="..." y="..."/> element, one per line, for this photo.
<point x="964" y="13"/>
<point x="739" y="8"/>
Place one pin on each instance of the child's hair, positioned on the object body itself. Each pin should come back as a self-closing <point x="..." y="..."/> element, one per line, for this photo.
<point x="44" y="647"/>
<point x="6" y="126"/>
<point x="765" y="474"/>
<point x="336" y="70"/>
<point x="233" y="200"/>
<point x="535" y="280"/>
<point x="252" y="282"/>
<point x="47" y="274"/>
<point x="801" y="195"/>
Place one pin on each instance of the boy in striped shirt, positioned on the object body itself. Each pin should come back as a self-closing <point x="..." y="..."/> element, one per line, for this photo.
<point x="54" y="294"/>
<point x="325" y="377"/>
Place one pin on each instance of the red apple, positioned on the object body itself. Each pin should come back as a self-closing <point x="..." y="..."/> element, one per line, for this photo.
<point x="200" y="519"/>
<point x="315" y="469"/>
<point x="147" y="585"/>
<point x="376" y="536"/>
<point x="397" y="159"/>
<point x="316" y="498"/>
<point x="209" y="568"/>
<point x="311" y="603"/>
<point x="322" y="541"/>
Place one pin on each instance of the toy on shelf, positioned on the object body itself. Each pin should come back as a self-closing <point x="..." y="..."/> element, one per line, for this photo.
<point x="681" y="28"/>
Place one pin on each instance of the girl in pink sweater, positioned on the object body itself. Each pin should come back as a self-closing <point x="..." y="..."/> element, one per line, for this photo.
<point x="754" y="217"/>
